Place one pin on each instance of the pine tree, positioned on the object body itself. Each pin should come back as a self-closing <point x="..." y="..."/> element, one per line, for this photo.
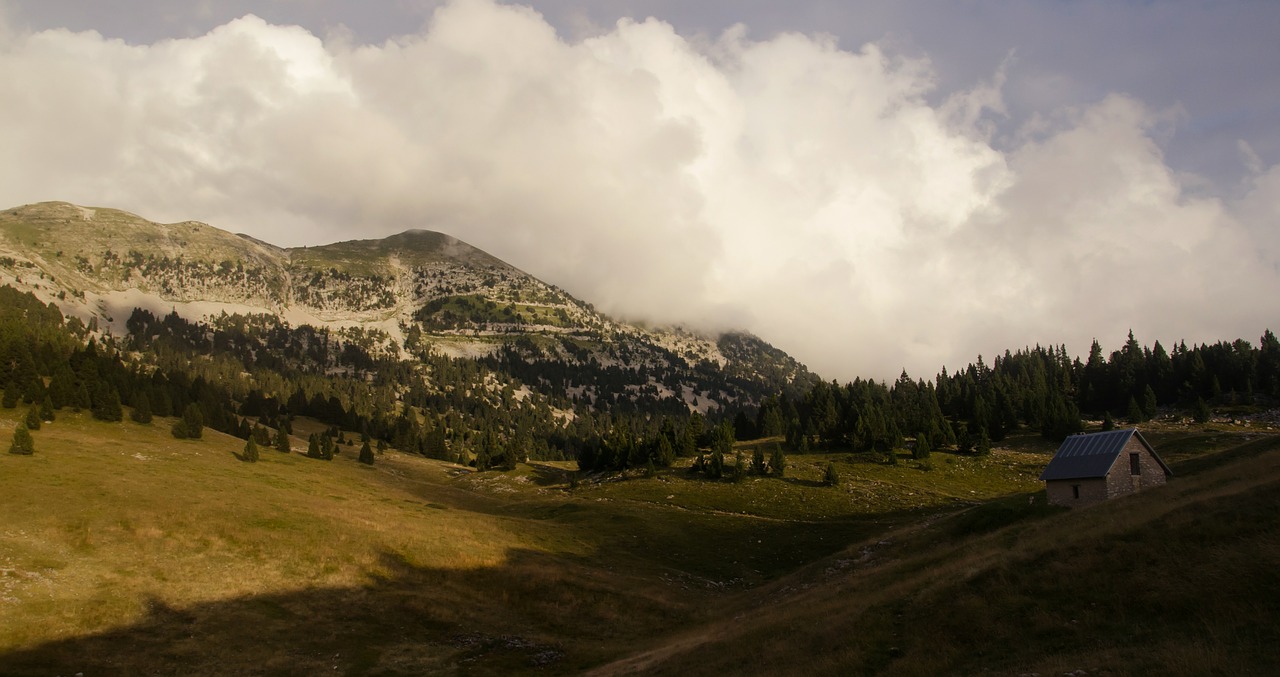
<point x="141" y="409"/>
<point x="984" y="443"/>
<point x="964" y="441"/>
<point x="282" y="443"/>
<point x="922" y="449"/>
<point x="1201" y="412"/>
<point x="1149" y="403"/>
<point x="831" y="478"/>
<point x="778" y="462"/>
<point x="251" y="451"/>
<point x="11" y="394"/>
<point x="757" y="461"/>
<point x="191" y="425"/>
<point x="22" y="443"/>
<point x="715" y="465"/>
<point x="32" y="420"/>
<point x="46" y="410"/>
<point x="366" y="454"/>
<point x="666" y="453"/>
<point x="739" y="467"/>
<point x="1108" y="423"/>
<point x="313" y="446"/>
<point x="1134" y="413"/>
<point x="106" y="404"/>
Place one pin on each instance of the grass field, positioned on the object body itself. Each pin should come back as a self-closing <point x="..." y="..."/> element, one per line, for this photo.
<point x="126" y="551"/>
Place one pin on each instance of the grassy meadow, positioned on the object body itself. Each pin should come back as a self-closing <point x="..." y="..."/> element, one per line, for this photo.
<point x="126" y="551"/>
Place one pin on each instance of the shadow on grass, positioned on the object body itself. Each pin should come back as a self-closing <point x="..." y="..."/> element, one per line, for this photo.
<point x="803" y="482"/>
<point x="1201" y="463"/>
<point x="546" y="476"/>
<point x="534" y="613"/>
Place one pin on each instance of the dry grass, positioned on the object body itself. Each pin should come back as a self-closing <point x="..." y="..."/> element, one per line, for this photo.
<point x="125" y="551"/>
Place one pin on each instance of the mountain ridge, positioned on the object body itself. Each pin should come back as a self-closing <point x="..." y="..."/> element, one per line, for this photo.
<point x="418" y="289"/>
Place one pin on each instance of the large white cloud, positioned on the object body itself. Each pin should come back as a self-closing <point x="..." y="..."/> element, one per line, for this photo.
<point x="806" y="192"/>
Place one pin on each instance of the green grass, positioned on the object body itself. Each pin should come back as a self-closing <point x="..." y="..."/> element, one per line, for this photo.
<point x="125" y="551"/>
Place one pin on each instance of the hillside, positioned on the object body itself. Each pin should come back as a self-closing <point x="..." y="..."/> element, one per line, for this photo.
<point x="126" y="551"/>
<point x="416" y="293"/>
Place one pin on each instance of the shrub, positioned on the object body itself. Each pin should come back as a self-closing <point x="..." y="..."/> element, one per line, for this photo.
<point x="831" y="478"/>
<point x="22" y="443"/>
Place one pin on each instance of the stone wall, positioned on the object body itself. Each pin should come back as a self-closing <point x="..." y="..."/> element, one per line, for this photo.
<point x="1091" y="491"/>
<point x="1120" y="479"/>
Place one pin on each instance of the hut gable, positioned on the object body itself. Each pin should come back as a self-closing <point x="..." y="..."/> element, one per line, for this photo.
<point x="1091" y="468"/>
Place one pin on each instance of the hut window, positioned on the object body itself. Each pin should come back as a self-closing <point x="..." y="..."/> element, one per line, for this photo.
<point x="1075" y="491"/>
<point x="1135" y="464"/>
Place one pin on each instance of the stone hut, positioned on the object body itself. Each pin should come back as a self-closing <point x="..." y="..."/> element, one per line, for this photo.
<point x="1091" y="468"/>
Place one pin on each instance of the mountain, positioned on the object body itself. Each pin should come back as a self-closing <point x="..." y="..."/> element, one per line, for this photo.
<point x="417" y="293"/>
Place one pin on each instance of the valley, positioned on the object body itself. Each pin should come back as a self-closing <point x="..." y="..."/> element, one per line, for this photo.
<point x="405" y="456"/>
<point x="127" y="551"/>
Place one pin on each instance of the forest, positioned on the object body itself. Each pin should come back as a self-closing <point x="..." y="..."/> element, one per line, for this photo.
<point x="251" y="375"/>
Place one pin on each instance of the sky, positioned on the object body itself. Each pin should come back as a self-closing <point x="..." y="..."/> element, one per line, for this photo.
<point x="871" y="186"/>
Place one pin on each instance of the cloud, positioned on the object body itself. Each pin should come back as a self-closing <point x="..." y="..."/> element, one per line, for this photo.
<point x="804" y="191"/>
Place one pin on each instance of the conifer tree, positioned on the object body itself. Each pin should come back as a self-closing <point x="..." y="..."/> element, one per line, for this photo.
<point x="191" y="425"/>
<point x="922" y="449"/>
<point x="366" y="453"/>
<point x="1149" y="405"/>
<point x="11" y="395"/>
<point x="665" y="454"/>
<point x="32" y="419"/>
<point x="1107" y="422"/>
<point x="757" y="461"/>
<point x="46" y="409"/>
<point x="831" y="478"/>
<point x="1201" y="412"/>
<point x="984" y="443"/>
<point x="778" y="462"/>
<point x="141" y="409"/>
<point x="251" y="451"/>
<point x="82" y="399"/>
<point x="22" y="443"/>
<point x="282" y="443"/>
<point x="313" y="446"/>
<point x="715" y="465"/>
<point x="106" y="404"/>
<point x="739" y="467"/>
<point x="1134" y="413"/>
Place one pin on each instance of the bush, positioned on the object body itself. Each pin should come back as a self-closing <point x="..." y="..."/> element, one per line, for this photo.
<point x="22" y="444"/>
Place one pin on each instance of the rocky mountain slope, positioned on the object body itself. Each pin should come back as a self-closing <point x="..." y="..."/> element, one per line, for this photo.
<point x="417" y="293"/>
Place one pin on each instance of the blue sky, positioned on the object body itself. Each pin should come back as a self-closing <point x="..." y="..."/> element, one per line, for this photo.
<point x="869" y="185"/>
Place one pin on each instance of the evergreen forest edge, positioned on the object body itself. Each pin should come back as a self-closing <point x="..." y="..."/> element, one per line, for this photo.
<point x="250" y="375"/>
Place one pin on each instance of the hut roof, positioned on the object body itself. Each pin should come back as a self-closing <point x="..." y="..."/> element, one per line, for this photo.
<point x="1091" y="455"/>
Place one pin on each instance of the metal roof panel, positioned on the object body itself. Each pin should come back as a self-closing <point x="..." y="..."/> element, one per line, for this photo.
<point x="1087" y="456"/>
